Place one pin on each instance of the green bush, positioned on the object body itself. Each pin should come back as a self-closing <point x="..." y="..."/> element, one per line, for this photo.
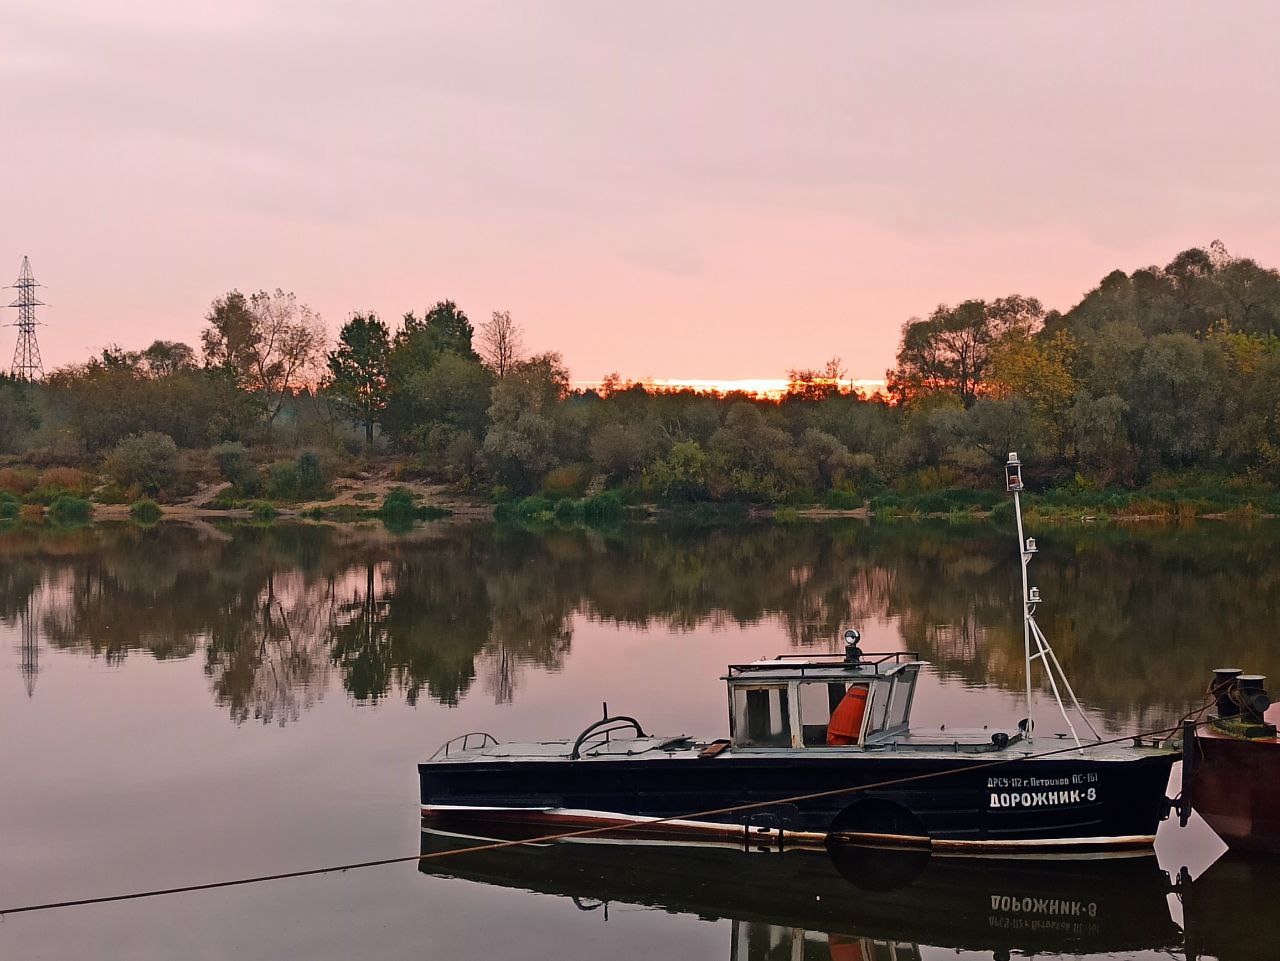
<point x="234" y="465"/>
<point x="535" y="508"/>
<point x="603" y="508"/>
<point x="568" y="510"/>
<point x="680" y="476"/>
<point x="398" y="511"/>
<point x="149" y="460"/>
<point x="145" y="511"/>
<point x="264" y="512"/>
<point x="398" y="503"/>
<point x="68" y="510"/>
<point x="885" y="502"/>
<point x="10" y="506"/>
<point x="310" y="476"/>
<point x="838" y="500"/>
<point x="282" y="480"/>
<point x="45" y="495"/>
<point x="786" y="515"/>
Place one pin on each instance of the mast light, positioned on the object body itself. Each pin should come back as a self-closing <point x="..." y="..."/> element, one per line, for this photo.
<point x="1013" y="473"/>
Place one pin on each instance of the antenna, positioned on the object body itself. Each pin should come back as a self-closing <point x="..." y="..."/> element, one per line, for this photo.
<point x="1031" y="633"/>
<point x="26" y="353"/>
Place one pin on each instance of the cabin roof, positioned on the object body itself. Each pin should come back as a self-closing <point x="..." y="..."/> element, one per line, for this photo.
<point x="816" y="667"/>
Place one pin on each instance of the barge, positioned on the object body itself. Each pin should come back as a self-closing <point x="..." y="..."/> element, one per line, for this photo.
<point x="1231" y="764"/>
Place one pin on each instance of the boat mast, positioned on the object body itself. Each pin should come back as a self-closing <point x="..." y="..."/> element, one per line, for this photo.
<point x="1030" y="629"/>
<point x="1013" y="481"/>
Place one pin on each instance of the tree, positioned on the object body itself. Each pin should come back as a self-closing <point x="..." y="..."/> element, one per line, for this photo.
<point x="681" y="475"/>
<point x="18" y="415"/>
<point x="1174" y="399"/>
<point x="417" y="346"/>
<point x="1101" y="437"/>
<point x="455" y="392"/>
<point x="120" y="393"/>
<point x="445" y="328"/>
<point x="501" y="343"/>
<point x="950" y="350"/>
<point x="816" y="385"/>
<point x="520" y="444"/>
<point x="997" y="425"/>
<point x="269" y="342"/>
<point x="623" y="449"/>
<point x="358" y="370"/>
<point x="232" y="339"/>
<point x="166" y="358"/>
<point x="1039" y="371"/>
<point x="828" y="457"/>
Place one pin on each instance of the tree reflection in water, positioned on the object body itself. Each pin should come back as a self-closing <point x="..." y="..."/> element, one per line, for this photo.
<point x="1136" y="616"/>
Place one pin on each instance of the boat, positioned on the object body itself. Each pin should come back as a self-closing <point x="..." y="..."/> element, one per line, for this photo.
<point x="820" y="904"/>
<point x="821" y="748"/>
<point x="1231" y="766"/>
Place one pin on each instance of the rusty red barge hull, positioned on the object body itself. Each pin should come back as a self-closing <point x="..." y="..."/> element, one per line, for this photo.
<point x="1236" y="787"/>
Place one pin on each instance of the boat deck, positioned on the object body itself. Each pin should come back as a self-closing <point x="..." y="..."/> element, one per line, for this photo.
<point x="919" y="744"/>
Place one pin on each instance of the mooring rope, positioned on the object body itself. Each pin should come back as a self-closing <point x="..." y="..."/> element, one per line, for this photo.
<point x="588" y="832"/>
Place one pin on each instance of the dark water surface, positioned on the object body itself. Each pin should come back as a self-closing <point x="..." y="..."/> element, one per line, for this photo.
<point x="192" y="703"/>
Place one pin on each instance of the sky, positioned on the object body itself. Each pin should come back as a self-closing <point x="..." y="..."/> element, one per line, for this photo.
<point x="720" y="189"/>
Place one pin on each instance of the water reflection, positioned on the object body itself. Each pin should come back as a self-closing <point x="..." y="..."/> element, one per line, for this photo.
<point x="807" y="904"/>
<point x="280" y="614"/>
<point x="1228" y="909"/>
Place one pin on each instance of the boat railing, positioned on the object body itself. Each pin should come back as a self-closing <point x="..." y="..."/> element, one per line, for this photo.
<point x="816" y="661"/>
<point x="602" y="730"/>
<point x="475" y="740"/>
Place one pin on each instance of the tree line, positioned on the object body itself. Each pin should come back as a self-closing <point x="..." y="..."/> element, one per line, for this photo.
<point x="1164" y="371"/>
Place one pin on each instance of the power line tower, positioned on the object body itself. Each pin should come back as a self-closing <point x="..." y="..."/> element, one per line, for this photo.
<point x="26" y="353"/>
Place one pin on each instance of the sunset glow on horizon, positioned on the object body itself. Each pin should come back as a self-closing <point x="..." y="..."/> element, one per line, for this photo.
<point x="771" y="388"/>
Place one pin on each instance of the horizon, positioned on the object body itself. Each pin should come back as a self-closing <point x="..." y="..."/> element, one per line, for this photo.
<point x="715" y="203"/>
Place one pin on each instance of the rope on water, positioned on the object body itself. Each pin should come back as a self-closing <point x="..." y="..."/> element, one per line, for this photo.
<point x="586" y="832"/>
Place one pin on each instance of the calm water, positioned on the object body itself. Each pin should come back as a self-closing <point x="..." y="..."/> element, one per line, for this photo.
<point x="193" y="703"/>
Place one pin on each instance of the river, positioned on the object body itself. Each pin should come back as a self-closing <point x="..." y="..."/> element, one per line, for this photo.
<point x="191" y="703"/>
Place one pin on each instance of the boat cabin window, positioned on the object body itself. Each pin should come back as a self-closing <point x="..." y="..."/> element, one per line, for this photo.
<point x="831" y="713"/>
<point x="762" y="716"/>
<point x="900" y="702"/>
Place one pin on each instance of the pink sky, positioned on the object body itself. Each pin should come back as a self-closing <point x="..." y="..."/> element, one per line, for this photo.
<point x="665" y="189"/>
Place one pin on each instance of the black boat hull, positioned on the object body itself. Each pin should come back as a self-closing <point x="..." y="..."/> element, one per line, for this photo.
<point x="1063" y="803"/>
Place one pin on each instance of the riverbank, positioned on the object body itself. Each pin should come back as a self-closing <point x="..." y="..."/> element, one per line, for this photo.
<point x="78" y="496"/>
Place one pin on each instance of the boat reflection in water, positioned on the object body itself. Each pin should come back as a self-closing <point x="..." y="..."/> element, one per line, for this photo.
<point x="854" y="904"/>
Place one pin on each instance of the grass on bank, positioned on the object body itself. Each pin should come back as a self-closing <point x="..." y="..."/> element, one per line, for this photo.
<point x="1065" y="504"/>
<point x="597" y="510"/>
